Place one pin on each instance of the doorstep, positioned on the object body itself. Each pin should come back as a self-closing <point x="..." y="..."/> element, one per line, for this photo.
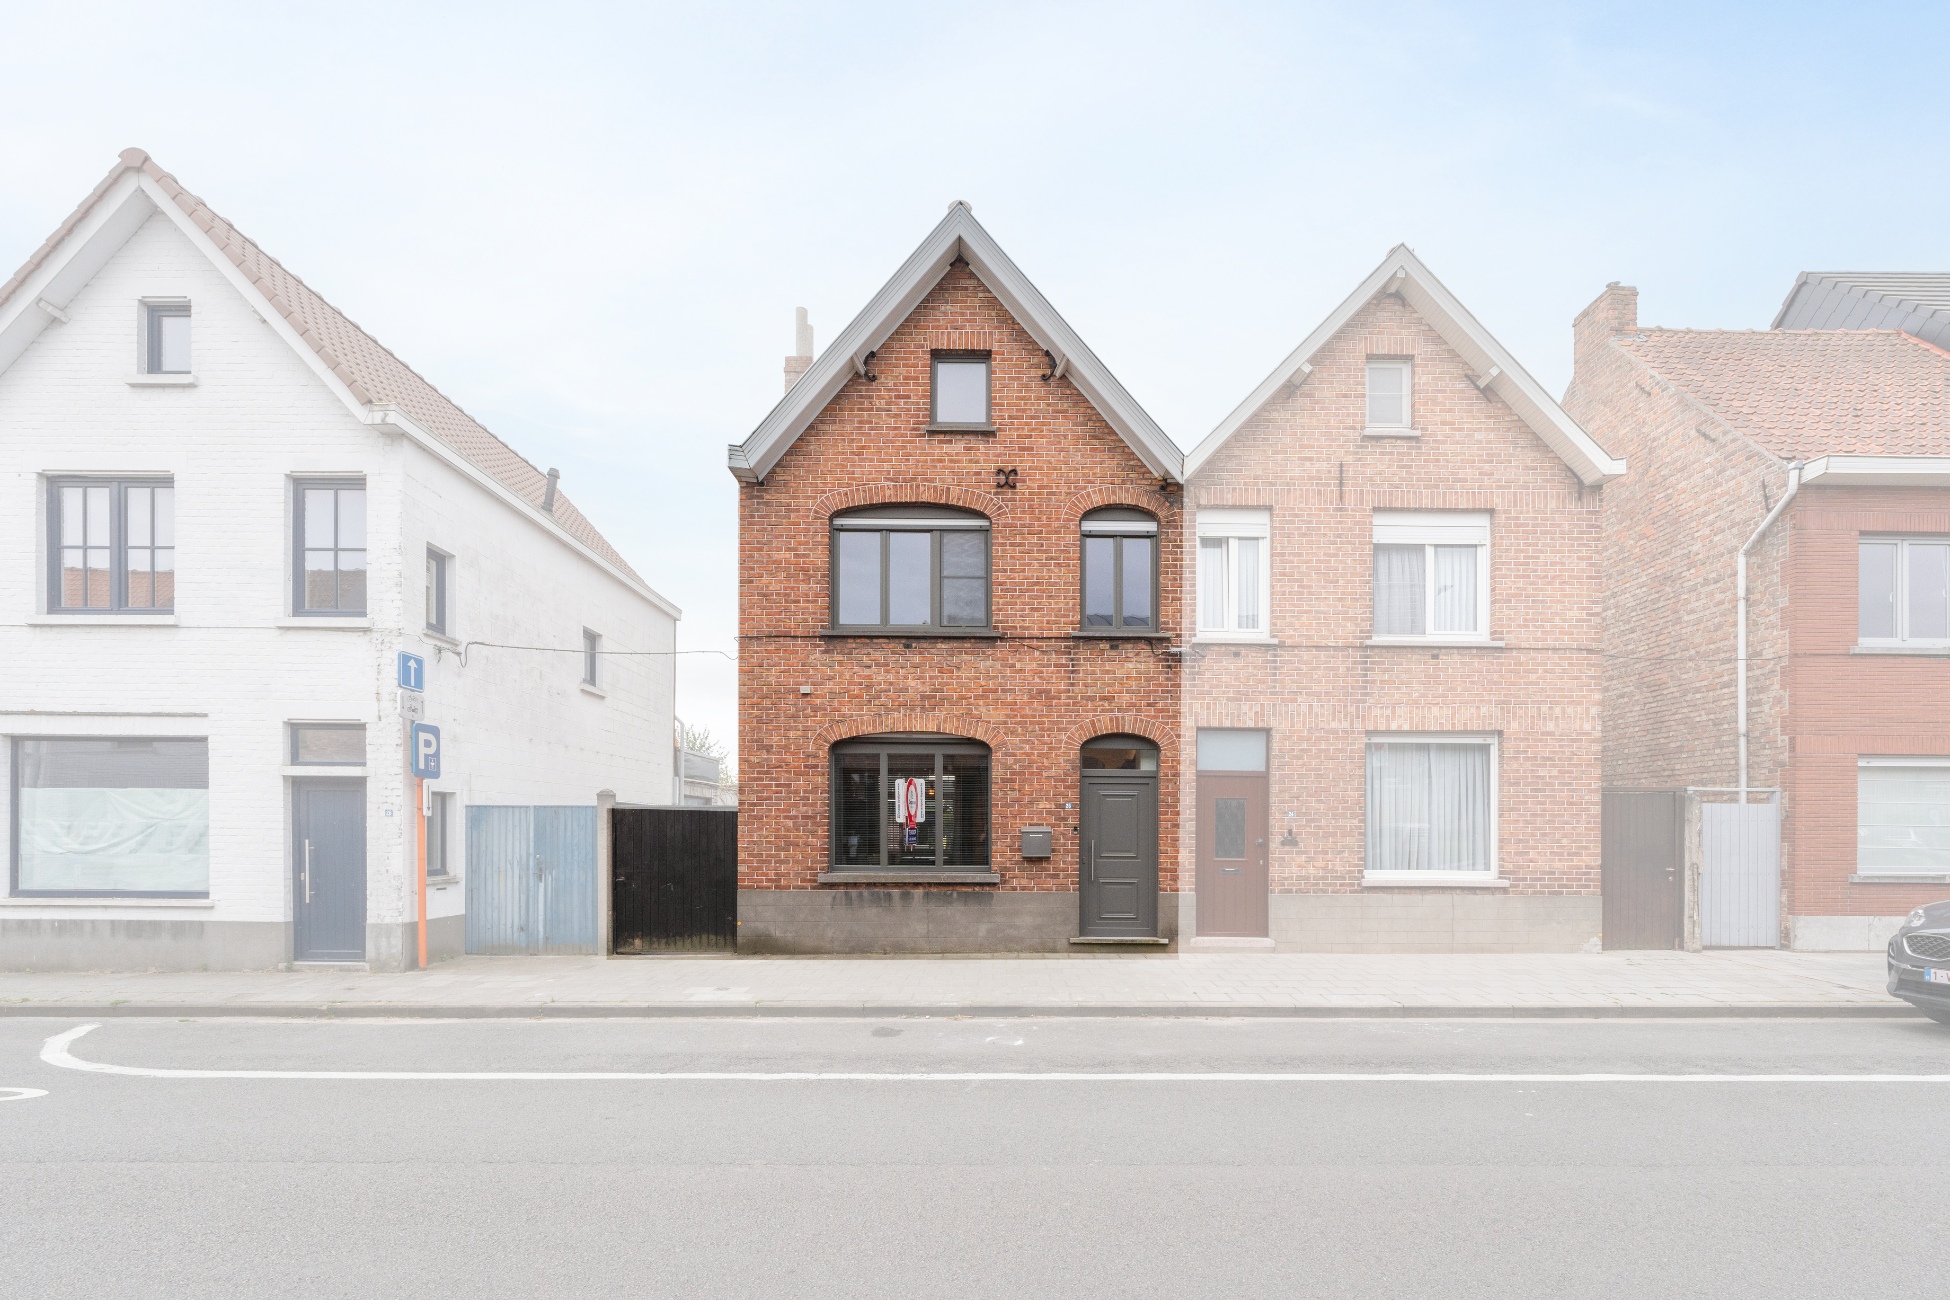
<point x="1226" y="943"/>
<point x="1119" y="941"/>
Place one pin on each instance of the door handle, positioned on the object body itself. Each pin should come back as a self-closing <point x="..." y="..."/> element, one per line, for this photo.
<point x="307" y="873"/>
<point x="1093" y="861"/>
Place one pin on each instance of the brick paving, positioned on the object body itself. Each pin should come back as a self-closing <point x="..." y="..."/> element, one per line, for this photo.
<point x="1638" y="983"/>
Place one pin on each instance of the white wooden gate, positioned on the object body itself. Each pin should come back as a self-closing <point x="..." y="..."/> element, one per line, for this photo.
<point x="1740" y="874"/>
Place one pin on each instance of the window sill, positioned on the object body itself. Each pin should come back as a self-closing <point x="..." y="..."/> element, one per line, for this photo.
<point x="354" y="623"/>
<point x="1391" y="433"/>
<point x="1902" y="878"/>
<point x="1434" y="643"/>
<point x="102" y="620"/>
<point x="324" y="769"/>
<point x="162" y="381"/>
<point x="53" y="900"/>
<point x="1917" y="651"/>
<point x="899" y="634"/>
<point x="596" y="691"/>
<point x="1428" y="880"/>
<point x="1112" y="634"/>
<point x="1219" y="638"/>
<point x="960" y="428"/>
<point x="843" y="876"/>
<point x="442" y="882"/>
<point x="440" y="639"/>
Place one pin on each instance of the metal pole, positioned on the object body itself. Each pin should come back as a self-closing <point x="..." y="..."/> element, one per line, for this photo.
<point x="1740" y="624"/>
<point x="420" y="797"/>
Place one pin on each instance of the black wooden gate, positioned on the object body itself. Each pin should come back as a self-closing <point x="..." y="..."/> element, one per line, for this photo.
<point x="673" y="879"/>
<point x="1644" y="868"/>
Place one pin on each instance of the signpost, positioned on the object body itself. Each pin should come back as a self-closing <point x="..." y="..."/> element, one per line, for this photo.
<point x="423" y="750"/>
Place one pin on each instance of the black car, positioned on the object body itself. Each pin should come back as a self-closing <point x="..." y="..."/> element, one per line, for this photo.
<point x="1919" y="961"/>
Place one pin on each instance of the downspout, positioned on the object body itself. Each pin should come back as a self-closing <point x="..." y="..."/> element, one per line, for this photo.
<point x="1740" y="627"/>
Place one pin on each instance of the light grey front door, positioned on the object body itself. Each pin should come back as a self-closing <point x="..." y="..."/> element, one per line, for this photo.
<point x="1119" y="890"/>
<point x="328" y="869"/>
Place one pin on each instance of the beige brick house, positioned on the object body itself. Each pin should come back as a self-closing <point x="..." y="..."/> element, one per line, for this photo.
<point x="1392" y="705"/>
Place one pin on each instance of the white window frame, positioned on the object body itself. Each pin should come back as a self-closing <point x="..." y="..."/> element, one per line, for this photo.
<point x="440" y="591"/>
<point x="1231" y="525"/>
<point x="1922" y="874"/>
<point x="1494" y="875"/>
<point x="1406" y="368"/>
<point x="1902" y="543"/>
<point x="1430" y="529"/>
<point x="592" y="655"/>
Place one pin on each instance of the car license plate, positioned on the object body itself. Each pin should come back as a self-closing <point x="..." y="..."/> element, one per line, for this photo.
<point x="1931" y="975"/>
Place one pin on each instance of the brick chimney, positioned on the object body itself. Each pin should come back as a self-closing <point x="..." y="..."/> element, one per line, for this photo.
<point x="1615" y="311"/>
<point x="802" y="343"/>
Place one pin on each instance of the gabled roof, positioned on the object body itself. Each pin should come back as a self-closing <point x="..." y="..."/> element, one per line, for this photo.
<point x="1497" y="371"/>
<point x="378" y="387"/>
<point x="958" y="235"/>
<point x="1916" y="302"/>
<point x="1806" y="393"/>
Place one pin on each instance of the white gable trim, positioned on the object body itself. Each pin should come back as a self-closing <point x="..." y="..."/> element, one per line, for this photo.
<point x="958" y="235"/>
<point x="1879" y="471"/>
<point x="110" y="224"/>
<point x="1497" y="370"/>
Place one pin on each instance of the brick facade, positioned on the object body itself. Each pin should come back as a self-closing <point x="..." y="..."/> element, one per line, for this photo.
<point x="1320" y="688"/>
<point x="1033" y="693"/>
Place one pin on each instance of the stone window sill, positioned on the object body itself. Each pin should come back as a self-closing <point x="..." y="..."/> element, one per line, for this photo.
<point x="912" y="633"/>
<point x="442" y="882"/>
<point x="440" y="639"/>
<point x="1917" y="651"/>
<point x="988" y="429"/>
<point x="162" y="381"/>
<point x="336" y="622"/>
<point x="842" y="876"/>
<point x="1434" y="881"/>
<point x="1391" y="433"/>
<point x="1898" y="878"/>
<point x="596" y="691"/>
<point x="102" y="620"/>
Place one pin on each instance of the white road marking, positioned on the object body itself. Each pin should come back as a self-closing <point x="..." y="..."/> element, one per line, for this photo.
<point x="21" y="1094"/>
<point x="55" y="1052"/>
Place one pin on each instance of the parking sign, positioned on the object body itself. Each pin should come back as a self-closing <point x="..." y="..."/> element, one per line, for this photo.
<point x="426" y="751"/>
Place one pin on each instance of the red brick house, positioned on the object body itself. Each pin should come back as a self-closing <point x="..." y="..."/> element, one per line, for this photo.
<point x="959" y="605"/>
<point x="1392" y="708"/>
<point x="1824" y="454"/>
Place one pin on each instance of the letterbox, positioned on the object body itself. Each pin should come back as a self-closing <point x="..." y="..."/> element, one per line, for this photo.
<point x="1035" y="841"/>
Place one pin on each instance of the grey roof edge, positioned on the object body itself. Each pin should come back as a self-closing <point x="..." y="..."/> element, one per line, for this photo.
<point x="1787" y="303"/>
<point x="957" y="234"/>
<point x="1477" y="346"/>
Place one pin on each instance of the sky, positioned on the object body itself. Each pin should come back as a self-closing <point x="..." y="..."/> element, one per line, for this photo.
<point x="590" y="224"/>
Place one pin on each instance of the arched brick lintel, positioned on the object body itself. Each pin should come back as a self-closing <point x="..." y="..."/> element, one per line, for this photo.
<point x="1123" y="724"/>
<point x="874" y="724"/>
<point x="1112" y="494"/>
<point x="895" y="494"/>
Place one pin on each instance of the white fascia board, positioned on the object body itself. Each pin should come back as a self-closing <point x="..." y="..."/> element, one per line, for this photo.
<point x="116" y="216"/>
<point x="957" y="235"/>
<point x="380" y="414"/>
<point x="1474" y="344"/>
<point x="1879" y="471"/>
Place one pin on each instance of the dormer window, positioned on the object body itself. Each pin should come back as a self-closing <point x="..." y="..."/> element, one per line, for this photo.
<point x="961" y="392"/>
<point x="1390" y="389"/>
<point x="166" y="338"/>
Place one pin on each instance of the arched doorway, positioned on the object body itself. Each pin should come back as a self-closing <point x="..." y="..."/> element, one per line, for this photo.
<point x="1118" y="888"/>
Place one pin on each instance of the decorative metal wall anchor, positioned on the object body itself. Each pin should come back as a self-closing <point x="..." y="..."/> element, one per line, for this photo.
<point x="1005" y="478"/>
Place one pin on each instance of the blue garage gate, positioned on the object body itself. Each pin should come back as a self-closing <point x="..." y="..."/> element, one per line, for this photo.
<point x="531" y="879"/>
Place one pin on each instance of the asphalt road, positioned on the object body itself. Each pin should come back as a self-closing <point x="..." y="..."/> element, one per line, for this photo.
<point x="132" y="1186"/>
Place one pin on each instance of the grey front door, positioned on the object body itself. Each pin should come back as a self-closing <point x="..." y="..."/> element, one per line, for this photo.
<point x="1119" y="891"/>
<point x="328" y="869"/>
<point x="1642" y="839"/>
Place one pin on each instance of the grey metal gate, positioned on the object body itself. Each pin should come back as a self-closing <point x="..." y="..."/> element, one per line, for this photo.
<point x="1740" y="874"/>
<point x="1643" y="867"/>
<point x="531" y="879"/>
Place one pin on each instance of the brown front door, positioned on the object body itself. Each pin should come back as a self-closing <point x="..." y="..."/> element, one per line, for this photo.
<point x="1232" y="854"/>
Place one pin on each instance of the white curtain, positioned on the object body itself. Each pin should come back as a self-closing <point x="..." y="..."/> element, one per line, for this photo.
<point x="1428" y="807"/>
<point x="1247" y="565"/>
<point x="92" y="838"/>
<point x="1398" y="595"/>
<point x="1212" y="582"/>
<point x="1455" y="589"/>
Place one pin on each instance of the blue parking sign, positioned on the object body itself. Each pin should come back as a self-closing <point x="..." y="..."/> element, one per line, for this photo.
<point x="426" y="751"/>
<point x="412" y="672"/>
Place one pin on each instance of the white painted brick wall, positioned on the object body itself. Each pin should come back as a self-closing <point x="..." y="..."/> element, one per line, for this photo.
<point x="516" y="727"/>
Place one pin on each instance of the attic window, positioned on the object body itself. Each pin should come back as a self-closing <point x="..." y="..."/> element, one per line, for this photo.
<point x="166" y="338"/>
<point x="961" y="391"/>
<point x="1390" y="387"/>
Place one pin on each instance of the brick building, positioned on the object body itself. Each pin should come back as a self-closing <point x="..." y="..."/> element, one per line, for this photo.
<point x="959" y="597"/>
<point x="1825" y="453"/>
<point x="1394" y="686"/>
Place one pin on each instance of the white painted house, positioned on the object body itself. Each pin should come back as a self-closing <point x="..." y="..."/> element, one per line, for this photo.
<point x="225" y="512"/>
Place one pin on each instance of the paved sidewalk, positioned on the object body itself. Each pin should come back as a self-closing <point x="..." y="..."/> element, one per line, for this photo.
<point x="1636" y="983"/>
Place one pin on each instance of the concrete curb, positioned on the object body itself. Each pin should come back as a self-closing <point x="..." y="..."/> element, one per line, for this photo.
<point x="1893" y="1010"/>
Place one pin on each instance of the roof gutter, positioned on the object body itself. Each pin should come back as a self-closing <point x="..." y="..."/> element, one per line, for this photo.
<point x="1740" y="627"/>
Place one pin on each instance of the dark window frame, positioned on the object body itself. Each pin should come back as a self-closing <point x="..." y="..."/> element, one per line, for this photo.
<point x="118" y="542"/>
<point x="439" y="564"/>
<point x="152" y="313"/>
<point x="944" y="520"/>
<point x="291" y="744"/>
<point x="592" y="652"/>
<point x="1135" y="529"/>
<point x="14" y="765"/>
<point x="299" y="486"/>
<point x="440" y="832"/>
<point x="884" y="746"/>
<point x="962" y="356"/>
